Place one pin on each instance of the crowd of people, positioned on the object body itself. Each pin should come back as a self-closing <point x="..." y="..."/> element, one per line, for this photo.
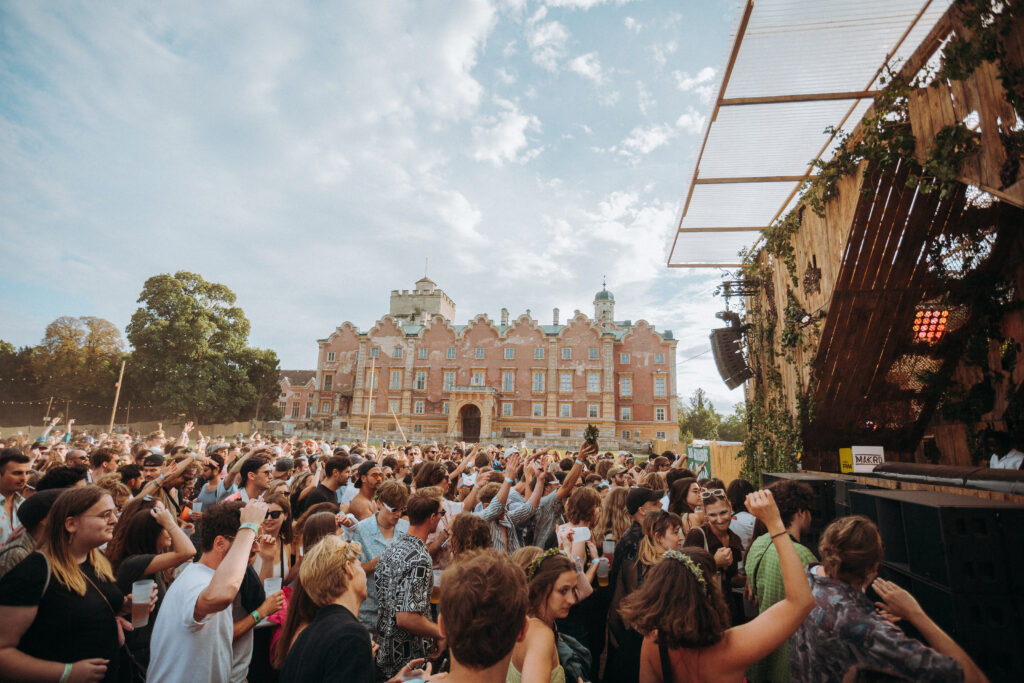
<point x="140" y="557"/>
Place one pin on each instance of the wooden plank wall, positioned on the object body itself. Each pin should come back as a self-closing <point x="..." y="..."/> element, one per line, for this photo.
<point x="982" y="95"/>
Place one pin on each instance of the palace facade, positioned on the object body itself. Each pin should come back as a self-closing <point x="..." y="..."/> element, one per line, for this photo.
<point x="416" y="372"/>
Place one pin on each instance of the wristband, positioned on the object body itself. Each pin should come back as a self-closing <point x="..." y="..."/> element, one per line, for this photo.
<point x="781" y="533"/>
<point x="251" y="525"/>
<point x="509" y="481"/>
<point x="580" y="462"/>
<point x="66" y="675"/>
<point x="255" y="614"/>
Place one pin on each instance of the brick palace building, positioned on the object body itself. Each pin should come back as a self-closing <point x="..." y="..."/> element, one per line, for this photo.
<point x="513" y="380"/>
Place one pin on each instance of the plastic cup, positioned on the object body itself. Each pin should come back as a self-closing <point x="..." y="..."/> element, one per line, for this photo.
<point x="271" y="585"/>
<point x="435" y="593"/>
<point x="197" y="506"/>
<point x="141" y="590"/>
<point x="602" y="571"/>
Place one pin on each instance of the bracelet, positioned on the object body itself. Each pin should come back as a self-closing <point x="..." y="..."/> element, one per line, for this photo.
<point x="66" y="675"/>
<point x="509" y="481"/>
<point x="781" y="533"/>
<point x="255" y="614"/>
<point x="580" y="462"/>
<point x="251" y="525"/>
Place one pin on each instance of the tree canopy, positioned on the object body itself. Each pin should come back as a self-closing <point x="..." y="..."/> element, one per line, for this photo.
<point x="700" y="420"/>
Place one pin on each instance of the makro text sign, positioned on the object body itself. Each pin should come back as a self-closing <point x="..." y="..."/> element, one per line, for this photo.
<point x="866" y="458"/>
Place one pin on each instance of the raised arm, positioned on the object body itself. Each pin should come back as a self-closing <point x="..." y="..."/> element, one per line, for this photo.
<point x="181" y="550"/>
<point x="567" y="487"/>
<point x="754" y="640"/>
<point x="228" y="578"/>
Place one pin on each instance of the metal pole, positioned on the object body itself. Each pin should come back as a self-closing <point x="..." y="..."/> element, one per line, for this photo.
<point x="369" y="402"/>
<point x="117" y="395"/>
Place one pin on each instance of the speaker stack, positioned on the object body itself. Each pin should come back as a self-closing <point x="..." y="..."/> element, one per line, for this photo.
<point x="961" y="557"/>
<point x="727" y="347"/>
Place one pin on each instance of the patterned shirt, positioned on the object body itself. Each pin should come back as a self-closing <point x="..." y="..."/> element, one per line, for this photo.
<point x="367" y="534"/>
<point x="503" y="521"/>
<point x="764" y="574"/>
<point x="403" y="579"/>
<point x="9" y="523"/>
<point x="844" y="630"/>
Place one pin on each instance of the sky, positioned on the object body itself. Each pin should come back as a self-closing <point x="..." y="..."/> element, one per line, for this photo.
<point x="313" y="156"/>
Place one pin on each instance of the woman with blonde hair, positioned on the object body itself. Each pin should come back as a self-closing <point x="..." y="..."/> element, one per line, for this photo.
<point x="613" y="520"/>
<point x="60" y="608"/>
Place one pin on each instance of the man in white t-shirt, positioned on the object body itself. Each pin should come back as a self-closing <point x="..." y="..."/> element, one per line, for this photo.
<point x="193" y="632"/>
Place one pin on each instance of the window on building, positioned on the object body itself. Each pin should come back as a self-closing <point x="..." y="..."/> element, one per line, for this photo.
<point x="659" y="358"/>
<point x="538" y="410"/>
<point x="449" y="379"/>
<point x="510" y="353"/>
<point x="659" y="387"/>
<point x="592" y="353"/>
<point x="444" y="407"/>
<point x="659" y="414"/>
<point x="538" y="380"/>
<point x="627" y="413"/>
<point x="296" y="407"/>
<point x="417" y="407"/>
<point x="283" y="405"/>
<point x="660" y="436"/>
<point x="593" y="410"/>
<point x="478" y="378"/>
<point x="417" y="428"/>
<point x="624" y="358"/>
<point x="309" y="410"/>
<point x="565" y="410"/>
<point x="479" y="351"/>
<point x="396" y="379"/>
<point x="566" y="353"/>
<point x="451" y="352"/>
<point x="625" y="386"/>
<point x="393" y="405"/>
<point x="593" y="382"/>
<point x="372" y="378"/>
<point x="325" y="406"/>
<point x="330" y="356"/>
<point x="397" y="353"/>
<point x="536" y="431"/>
<point x="506" y="410"/>
<point x="538" y="353"/>
<point x="421" y="353"/>
<point x="508" y="380"/>
<point x="328" y="382"/>
<point x="374" y="352"/>
<point x="626" y="435"/>
<point x="421" y="380"/>
<point x="371" y="405"/>
<point x="565" y="382"/>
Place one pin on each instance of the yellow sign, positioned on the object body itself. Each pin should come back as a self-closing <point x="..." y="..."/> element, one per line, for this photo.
<point x="846" y="460"/>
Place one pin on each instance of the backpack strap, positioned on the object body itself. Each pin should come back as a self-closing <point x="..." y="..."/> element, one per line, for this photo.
<point x="49" y="571"/>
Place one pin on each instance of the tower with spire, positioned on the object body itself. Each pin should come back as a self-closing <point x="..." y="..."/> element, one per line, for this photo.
<point x="604" y="307"/>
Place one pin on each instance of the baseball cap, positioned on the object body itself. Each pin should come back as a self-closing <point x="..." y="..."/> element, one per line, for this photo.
<point x="618" y="469"/>
<point x="638" y="495"/>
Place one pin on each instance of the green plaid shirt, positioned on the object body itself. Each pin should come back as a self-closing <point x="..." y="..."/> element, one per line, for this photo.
<point x="765" y="578"/>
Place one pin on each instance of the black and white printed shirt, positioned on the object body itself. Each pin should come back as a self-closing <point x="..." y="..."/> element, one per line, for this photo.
<point x="404" y="579"/>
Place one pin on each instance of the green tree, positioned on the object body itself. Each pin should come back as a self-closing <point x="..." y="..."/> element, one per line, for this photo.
<point x="734" y="427"/>
<point x="263" y="370"/>
<point x="698" y="420"/>
<point x="78" y="359"/>
<point x="190" y="354"/>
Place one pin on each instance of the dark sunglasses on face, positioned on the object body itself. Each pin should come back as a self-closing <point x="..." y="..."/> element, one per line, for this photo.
<point x="274" y="514"/>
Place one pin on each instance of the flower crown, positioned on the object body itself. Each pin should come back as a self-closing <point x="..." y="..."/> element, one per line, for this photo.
<point x="532" y="568"/>
<point x="694" y="568"/>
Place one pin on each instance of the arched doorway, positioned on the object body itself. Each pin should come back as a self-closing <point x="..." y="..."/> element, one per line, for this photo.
<point x="470" y="418"/>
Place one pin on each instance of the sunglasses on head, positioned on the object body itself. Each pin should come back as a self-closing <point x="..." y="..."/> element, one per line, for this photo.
<point x="274" y="514"/>
<point x="712" y="493"/>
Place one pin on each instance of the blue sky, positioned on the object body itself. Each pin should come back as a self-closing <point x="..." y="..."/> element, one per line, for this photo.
<point x="312" y="155"/>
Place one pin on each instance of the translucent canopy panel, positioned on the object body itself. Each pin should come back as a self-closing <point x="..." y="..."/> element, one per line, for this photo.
<point x="795" y="68"/>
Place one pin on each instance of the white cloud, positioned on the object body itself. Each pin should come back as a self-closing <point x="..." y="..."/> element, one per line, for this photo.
<point x="505" y="76"/>
<point x="644" y="99"/>
<point x="643" y="140"/>
<point x="547" y="41"/>
<point x="633" y="25"/>
<point x="691" y="121"/>
<point x="582" y="4"/>
<point x="685" y="82"/>
<point x="661" y="52"/>
<point x="503" y="138"/>
<point x="588" y="66"/>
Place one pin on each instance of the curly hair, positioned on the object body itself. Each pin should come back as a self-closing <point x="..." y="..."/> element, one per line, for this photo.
<point x="582" y="505"/>
<point x="469" y="532"/>
<point x="791" y="497"/>
<point x="851" y="548"/>
<point x="696" y="616"/>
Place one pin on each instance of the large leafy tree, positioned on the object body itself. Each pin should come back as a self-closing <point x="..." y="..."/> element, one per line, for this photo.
<point x="190" y="354"/>
<point x="78" y="359"/>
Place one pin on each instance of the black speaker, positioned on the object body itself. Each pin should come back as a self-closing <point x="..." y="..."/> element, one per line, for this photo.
<point x="727" y="347"/>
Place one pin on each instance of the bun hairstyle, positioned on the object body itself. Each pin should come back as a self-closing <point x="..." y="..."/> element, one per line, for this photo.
<point x="695" y="617"/>
<point x="851" y="549"/>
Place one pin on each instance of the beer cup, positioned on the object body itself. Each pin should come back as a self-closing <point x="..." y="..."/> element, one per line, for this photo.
<point x="141" y="590"/>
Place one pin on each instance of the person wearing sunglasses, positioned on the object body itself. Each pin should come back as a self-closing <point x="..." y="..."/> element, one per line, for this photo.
<point x="724" y="545"/>
<point x="275" y="557"/>
<point x="374" y="534"/>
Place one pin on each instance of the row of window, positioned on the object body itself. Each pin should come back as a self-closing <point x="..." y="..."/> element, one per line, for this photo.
<point x="508" y="382"/>
<point x="509" y="354"/>
<point x="537" y="410"/>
